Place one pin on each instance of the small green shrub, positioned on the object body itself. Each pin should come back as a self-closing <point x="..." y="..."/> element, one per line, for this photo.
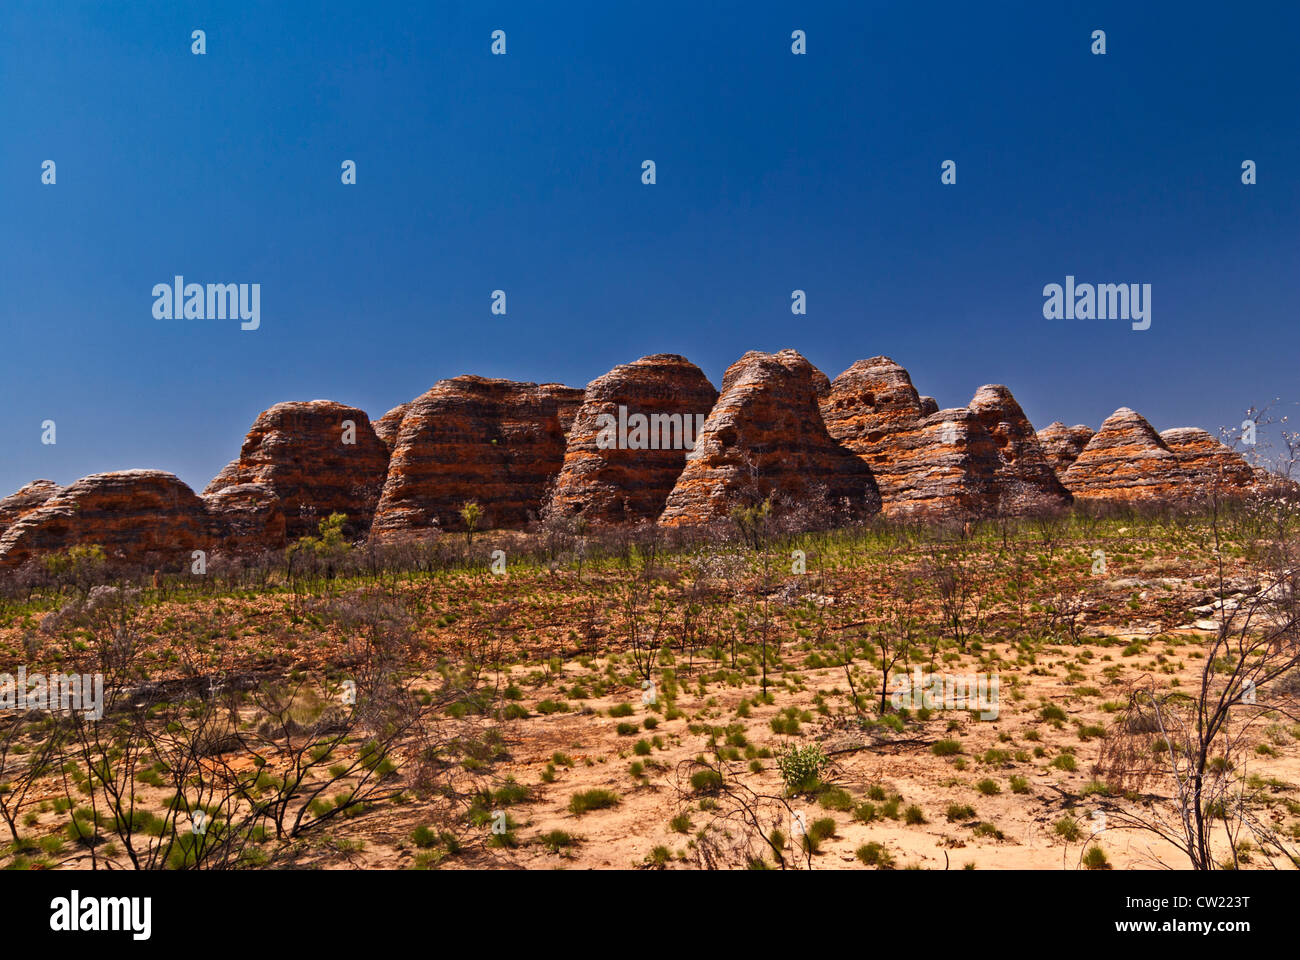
<point x="588" y="800"/>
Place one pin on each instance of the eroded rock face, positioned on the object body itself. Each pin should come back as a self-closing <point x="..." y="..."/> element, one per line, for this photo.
<point x="765" y="437"/>
<point x="298" y="449"/>
<point x="869" y="401"/>
<point x="141" y="518"/>
<point x="386" y="427"/>
<point x="568" y="401"/>
<point x="246" y="518"/>
<point x="25" y="500"/>
<point x="1025" y="481"/>
<point x="1126" y="461"/>
<point x="1062" y="445"/>
<point x="875" y="412"/>
<point x="630" y="480"/>
<point x="944" y="466"/>
<point x="1211" y="464"/>
<point x="930" y="463"/>
<point x="497" y="442"/>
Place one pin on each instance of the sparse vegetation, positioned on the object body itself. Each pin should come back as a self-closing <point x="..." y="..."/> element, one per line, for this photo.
<point x="763" y="708"/>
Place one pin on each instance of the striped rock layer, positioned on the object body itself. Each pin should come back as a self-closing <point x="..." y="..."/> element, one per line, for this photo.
<point x="928" y="463"/>
<point x="142" y="517"/>
<point x="497" y="442"/>
<point x="1210" y="462"/>
<point x="765" y="437"/>
<point x="386" y="427"/>
<point x="300" y="451"/>
<point x="1127" y="461"/>
<point x="779" y="427"/>
<point x="17" y="505"/>
<point x="1022" y="476"/>
<point x="630" y="480"/>
<point x="1062" y="445"/>
<point x="246" y="518"/>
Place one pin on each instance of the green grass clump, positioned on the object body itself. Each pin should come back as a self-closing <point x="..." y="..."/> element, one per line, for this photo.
<point x="836" y="799"/>
<point x="1068" y="829"/>
<point x="557" y="840"/>
<point x="875" y="855"/>
<point x="960" y="811"/>
<point x="1096" y="859"/>
<point x="706" y="781"/>
<point x="588" y="800"/>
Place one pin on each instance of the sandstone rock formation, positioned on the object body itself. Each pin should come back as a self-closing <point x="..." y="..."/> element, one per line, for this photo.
<point x="246" y="518"/>
<point x="1062" y="445"/>
<point x="386" y="427"/>
<point x="568" y="402"/>
<point x="867" y="403"/>
<point x="1024" y="480"/>
<point x="497" y="442"/>
<point x="630" y="480"/>
<point x="25" y="500"/>
<point x="145" y="518"/>
<point x="1209" y="462"/>
<point x="932" y="463"/>
<point x="299" y="451"/>
<point x="779" y="428"/>
<point x="945" y="466"/>
<point x="874" y="411"/>
<point x="766" y="437"/>
<point x="1126" y="461"/>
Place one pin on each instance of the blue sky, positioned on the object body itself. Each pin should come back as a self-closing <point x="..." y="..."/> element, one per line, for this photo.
<point x="523" y="173"/>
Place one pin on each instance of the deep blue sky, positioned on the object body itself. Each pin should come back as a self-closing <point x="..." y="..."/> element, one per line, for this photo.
<point x="522" y="172"/>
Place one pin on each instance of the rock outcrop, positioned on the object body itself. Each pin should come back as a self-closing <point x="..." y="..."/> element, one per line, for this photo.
<point x="1126" y="461"/>
<point x="1062" y="445"/>
<point x="386" y="427"/>
<point x="869" y="402"/>
<point x="765" y="437"/>
<point x="1209" y="463"/>
<point x="497" y="442"/>
<point x="649" y="439"/>
<point x="17" y="505"/>
<point x="568" y="401"/>
<point x="629" y="440"/>
<point x="930" y="463"/>
<point x="873" y="409"/>
<point x="247" y="518"/>
<point x="1024" y="480"/>
<point x="945" y="466"/>
<point x="143" y="518"/>
<point x="319" y="457"/>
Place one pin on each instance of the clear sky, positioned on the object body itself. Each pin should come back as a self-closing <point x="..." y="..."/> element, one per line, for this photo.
<point x="522" y="172"/>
